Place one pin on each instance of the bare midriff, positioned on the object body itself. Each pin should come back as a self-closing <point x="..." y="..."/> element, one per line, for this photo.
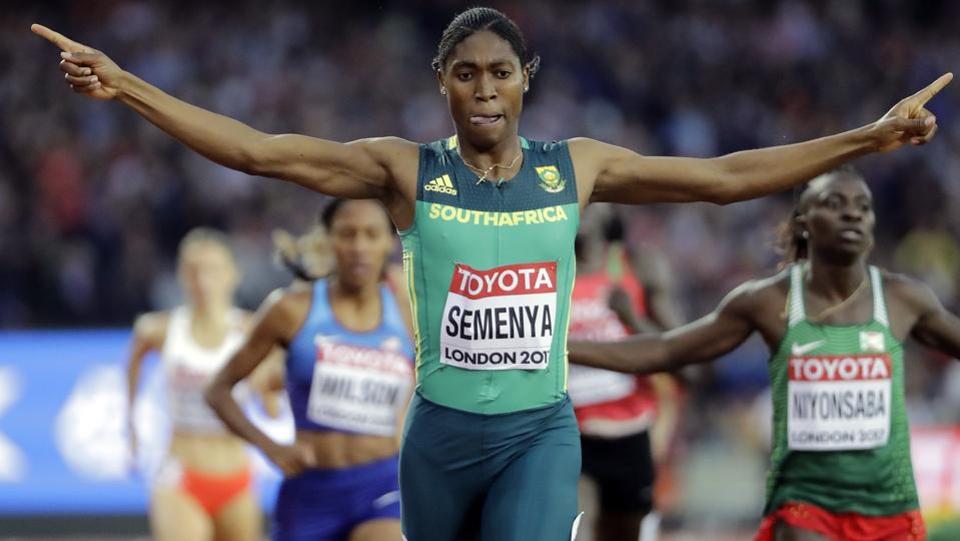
<point x="336" y="450"/>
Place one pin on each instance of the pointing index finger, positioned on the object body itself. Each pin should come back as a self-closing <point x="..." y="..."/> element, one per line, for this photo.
<point x="58" y="39"/>
<point x="922" y="97"/>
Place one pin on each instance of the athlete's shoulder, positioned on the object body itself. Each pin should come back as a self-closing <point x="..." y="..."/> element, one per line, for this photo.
<point x="292" y="296"/>
<point x="587" y="148"/>
<point x="440" y="146"/>
<point x="590" y="157"/>
<point x="395" y="154"/>
<point x="151" y="327"/>
<point x="760" y="293"/>
<point x="285" y="309"/>
<point x="908" y="292"/>
<point x="777" y="284"/>
<point x="387" y="146"/>
<point x="898" y="279"/>
<point x="545" y="146"/>
<point x="439" y="152"/>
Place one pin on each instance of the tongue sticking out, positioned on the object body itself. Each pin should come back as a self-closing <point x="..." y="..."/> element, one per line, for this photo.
<point x="485" y="119"/>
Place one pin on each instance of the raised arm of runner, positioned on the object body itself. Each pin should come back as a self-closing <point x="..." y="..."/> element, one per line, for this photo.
<point x="607" y="172"/>
<point x="705" y="339"/>
<point x="381" y="168"/>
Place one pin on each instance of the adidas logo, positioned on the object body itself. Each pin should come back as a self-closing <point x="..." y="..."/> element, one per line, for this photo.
<point x="441" y="184"/>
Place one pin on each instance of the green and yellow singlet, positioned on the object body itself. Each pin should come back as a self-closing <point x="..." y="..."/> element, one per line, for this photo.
<point x="490" y="267"/>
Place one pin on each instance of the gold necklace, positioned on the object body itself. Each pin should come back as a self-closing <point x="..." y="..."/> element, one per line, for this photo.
<point x="482" y="173"/>
<point x="831" y="309"/>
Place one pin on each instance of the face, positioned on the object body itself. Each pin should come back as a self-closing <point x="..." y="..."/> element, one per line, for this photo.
<point x="837" y="213"/>
<point x="484" y="84"/>
<point x="362" y="242"/>
<point x="207" y="273"/>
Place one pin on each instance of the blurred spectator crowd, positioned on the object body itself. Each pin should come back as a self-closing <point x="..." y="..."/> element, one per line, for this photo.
<point x="93" y="200"/>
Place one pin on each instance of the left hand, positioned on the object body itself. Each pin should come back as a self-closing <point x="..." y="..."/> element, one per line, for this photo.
<point x="619" y="301"/>
<point x="909" y="121"/>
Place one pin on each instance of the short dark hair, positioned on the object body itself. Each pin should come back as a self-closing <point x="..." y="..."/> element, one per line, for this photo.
<point x="479" y="19"/>
<point x="329" y="211"/>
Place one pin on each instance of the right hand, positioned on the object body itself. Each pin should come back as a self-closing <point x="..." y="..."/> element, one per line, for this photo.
<point x="909" y="121"/>
<point x="87" y="70"/>
<point x="292" y="459"/>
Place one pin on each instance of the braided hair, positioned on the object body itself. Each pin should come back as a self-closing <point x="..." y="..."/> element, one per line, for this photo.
<point x="479" y="19"/>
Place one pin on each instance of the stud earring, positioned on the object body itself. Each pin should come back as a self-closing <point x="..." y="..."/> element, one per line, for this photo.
<point x="443" y="90"/>
<point x="805" y="234"/>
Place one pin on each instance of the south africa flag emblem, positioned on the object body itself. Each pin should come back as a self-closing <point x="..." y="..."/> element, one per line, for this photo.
<point x="550" y="179"/>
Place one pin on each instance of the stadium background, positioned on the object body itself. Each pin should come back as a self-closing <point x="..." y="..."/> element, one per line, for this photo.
<point x="93" y="200"/>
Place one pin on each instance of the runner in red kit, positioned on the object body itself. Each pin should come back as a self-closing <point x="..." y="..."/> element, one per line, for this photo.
<point x="617" y="412"/>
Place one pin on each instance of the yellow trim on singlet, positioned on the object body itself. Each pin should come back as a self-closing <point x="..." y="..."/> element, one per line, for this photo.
<point x="412" y="293"/>
<point x="566" y="328"/>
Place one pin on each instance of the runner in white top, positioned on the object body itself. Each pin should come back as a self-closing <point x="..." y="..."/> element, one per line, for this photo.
<point x="203" y="491"/>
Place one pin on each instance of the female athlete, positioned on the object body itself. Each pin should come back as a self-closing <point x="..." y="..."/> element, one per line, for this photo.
<point x="203" y="490"/>
<point x="840" y="465"/>
<point x="349" y="375"/>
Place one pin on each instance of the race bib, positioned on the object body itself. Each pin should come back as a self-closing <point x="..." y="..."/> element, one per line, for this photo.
<point x="358" y="389"/>
<point x="587" y="385"/>
<point x="839" y="402"/>
<point x="500" y="319"/>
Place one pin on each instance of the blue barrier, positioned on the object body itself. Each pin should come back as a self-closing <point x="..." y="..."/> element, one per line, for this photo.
<point x="63" y="426"/>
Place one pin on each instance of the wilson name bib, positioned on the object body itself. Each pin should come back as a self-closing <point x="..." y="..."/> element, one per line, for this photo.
<point x="358" y="389"/>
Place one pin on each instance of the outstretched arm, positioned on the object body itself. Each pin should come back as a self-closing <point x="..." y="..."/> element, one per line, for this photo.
<point x="705" y="339"/>
<point x="360" y="169"/>
<point x="611" y="173"/>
